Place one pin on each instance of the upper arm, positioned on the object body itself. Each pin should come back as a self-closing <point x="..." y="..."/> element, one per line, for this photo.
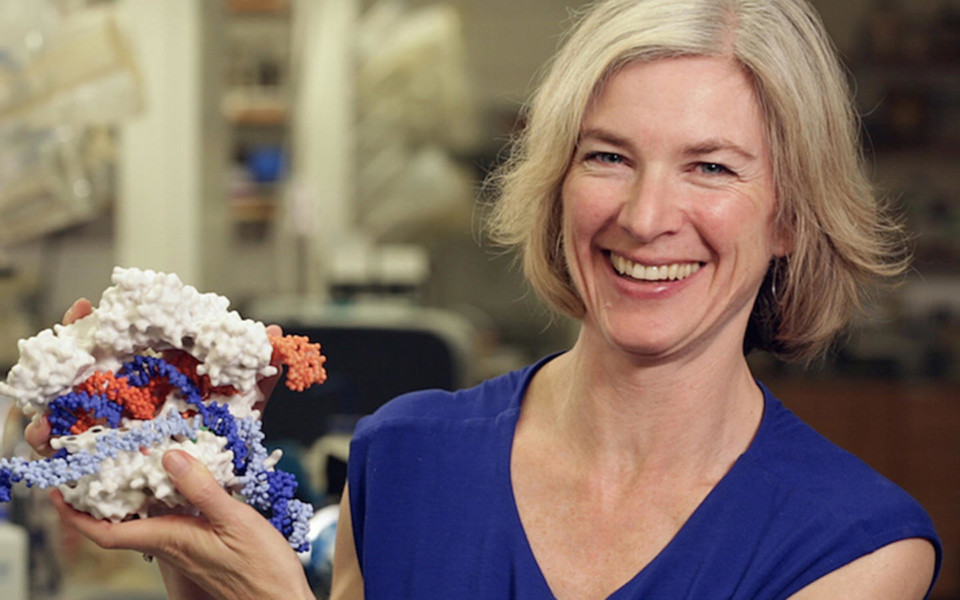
<point x="347" y="578"/>
<point x="902" y="570"/>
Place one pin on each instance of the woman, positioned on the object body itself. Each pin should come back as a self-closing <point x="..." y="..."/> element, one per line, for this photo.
<point x="689" y="174"/>
<point x="688" y="186"/>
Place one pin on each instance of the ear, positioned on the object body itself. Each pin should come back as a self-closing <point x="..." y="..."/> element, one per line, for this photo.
<point x="783" y="236"/>
<point x="783" y="242"/>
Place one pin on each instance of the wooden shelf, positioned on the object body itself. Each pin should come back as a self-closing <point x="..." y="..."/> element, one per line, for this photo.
<point x="253" y="209"/>
<point x="255" y="106"/>
<point x="258" y="7"/>
<point x="260" y="117"/>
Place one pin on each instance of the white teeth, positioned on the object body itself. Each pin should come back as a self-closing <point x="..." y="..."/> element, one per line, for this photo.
<point x="672" y="272"/>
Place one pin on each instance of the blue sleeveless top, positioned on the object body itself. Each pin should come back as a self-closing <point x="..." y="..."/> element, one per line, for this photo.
<point x="434" y="515"/>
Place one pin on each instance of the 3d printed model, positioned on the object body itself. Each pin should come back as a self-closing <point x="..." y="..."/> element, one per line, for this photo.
<point x="157" y="366"/>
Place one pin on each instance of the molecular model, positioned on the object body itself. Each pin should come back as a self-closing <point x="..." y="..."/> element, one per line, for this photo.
<point x="157" y="366"/>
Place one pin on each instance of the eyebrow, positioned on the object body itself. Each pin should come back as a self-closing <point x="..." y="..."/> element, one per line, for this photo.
<point x="715" y="145"/>
<point x="604" y="135"/>
<point x="707" y="146"/>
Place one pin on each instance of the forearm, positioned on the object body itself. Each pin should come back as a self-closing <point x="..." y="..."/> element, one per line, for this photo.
<point x="347" y="577"/>
<point x="179" y="586"/>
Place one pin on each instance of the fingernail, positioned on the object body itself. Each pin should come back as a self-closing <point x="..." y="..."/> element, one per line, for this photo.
<point x="176" y="463"/>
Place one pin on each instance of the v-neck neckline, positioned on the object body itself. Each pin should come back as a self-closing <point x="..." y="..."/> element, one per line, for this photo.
<point x="505" y="453"/>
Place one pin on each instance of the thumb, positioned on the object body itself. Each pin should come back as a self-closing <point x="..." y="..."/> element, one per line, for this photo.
<point x="197" y="485"/>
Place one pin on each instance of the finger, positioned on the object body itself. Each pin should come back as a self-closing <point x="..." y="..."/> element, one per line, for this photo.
<point x="105" y="534"/>
<point x="268" y="384"/>
<point x="37" y="435"/>
<point x="79" y="310"/>
<point x="266" y="389"/>
<point x="199" y="487"/>
<point x="162" y="536"/>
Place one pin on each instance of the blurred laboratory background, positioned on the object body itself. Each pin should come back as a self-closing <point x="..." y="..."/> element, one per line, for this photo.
<point x="321" y="163"/>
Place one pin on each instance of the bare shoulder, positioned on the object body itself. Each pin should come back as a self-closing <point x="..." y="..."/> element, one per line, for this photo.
<point x="901" y="570"/>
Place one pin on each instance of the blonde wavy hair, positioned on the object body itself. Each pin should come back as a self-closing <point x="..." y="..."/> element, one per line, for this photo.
<point x="845" y="241"/>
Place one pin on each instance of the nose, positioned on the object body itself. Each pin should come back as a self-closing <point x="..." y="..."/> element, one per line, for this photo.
<point x="652" y="208"/>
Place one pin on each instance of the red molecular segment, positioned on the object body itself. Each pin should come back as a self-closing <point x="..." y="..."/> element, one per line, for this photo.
<point x="187" y="364"/>
<point x="302" y="358"/>
<point x="137" y="403"/>
<point x="84" y="422"/>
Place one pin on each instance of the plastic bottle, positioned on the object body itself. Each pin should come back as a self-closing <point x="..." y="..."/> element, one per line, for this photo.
<point x="13" y="559"/>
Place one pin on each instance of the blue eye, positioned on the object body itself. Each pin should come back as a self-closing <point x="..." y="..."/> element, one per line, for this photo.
<point x="708" y="168"/>
<point x="611" y="158"/>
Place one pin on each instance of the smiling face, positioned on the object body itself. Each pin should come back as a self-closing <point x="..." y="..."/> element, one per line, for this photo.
<point x="668" y="208"/>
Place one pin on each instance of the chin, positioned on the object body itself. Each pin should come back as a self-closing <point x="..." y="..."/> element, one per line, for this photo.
<point x="635" y="340"/>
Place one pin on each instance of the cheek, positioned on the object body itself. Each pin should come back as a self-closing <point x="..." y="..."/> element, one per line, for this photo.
<point x="572" y="210"/>
<point x="586" y="207"/>
<point x="580" y="219"/>
<point x="573" y="235"/>
<point x="737" y="222"/>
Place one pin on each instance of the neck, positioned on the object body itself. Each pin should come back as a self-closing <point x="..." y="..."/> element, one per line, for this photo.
<point x="687" y="417"/>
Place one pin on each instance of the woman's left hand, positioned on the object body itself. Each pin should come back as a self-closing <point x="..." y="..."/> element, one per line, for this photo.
<point x="230" y="552"/>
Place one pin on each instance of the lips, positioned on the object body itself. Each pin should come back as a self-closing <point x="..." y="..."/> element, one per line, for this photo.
<point x="661" y="272"/>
